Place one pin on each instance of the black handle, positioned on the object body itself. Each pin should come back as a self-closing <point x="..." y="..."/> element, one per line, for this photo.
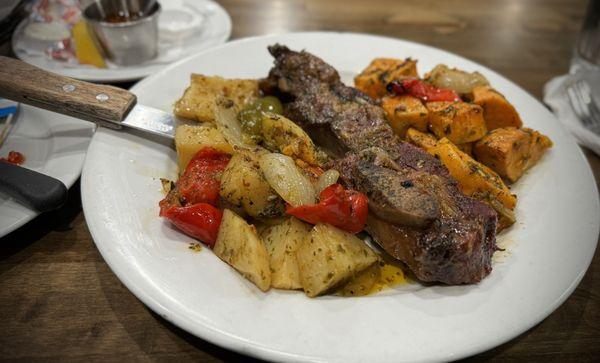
<point x="34" y="189"/>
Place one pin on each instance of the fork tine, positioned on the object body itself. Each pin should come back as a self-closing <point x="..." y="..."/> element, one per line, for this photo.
<point x="579" y="94"/>
<point x="595" y="116"/>
<point x="590" y="106"/>
<point x="585" y="91"/>
<point x="576" y="104"/>
<point x="583" y="96"/>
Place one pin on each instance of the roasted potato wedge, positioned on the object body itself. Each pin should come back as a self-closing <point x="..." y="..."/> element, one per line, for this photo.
<point x="329" y="257"/>
<point x="477" y="180"/>
<point x="244" y="186"/>
<point x="282" y="242"/>
<point x="239" y="245"/>
<point x="404" y="112"/>
<point x="497" y="111"/>
<point x="510" y="151"/>
<point x="283" y="135"/>
<point x="198" y="100"/>
<point x="460" y="122"/>
<point x="373" y="80"/>
<point x="189" y="139"/>
<point x="362" y="283"/>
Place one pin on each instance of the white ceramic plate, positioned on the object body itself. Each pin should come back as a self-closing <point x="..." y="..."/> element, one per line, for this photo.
<point x="53" y="144"/>
<point x="216" y="29"/>
<point x="548" y="250"/>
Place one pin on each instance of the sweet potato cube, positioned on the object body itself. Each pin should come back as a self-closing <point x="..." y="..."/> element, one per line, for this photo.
<point x="381" y="71"/>
<point x="460" y="122"/>
<point x="497" y="111"/>
<point x="467" y="148"/>
<point x="477" y="180"/>
<point x="424" y="140"/>
<point x="404" y="112"/>
<point x="474" y="179"/>
<point x="511" y="151"/>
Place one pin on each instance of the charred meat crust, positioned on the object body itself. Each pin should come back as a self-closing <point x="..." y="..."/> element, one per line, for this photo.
<point x="417" y="214"/>
<point x="393" y="194"/>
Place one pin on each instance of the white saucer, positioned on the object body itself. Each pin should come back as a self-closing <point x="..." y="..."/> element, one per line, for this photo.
<point x="52" y="144"/>
<point x="210" y="26"/>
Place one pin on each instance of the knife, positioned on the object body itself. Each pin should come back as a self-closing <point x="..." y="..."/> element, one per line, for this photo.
<point x="104" y="105"/>
<point x="41" y="192"/>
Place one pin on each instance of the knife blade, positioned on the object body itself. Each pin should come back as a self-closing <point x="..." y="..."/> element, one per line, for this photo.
<point x="105" y="105"/>
<point x="150" y="120"/>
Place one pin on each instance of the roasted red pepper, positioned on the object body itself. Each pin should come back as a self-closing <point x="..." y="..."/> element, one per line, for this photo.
<point x="14" y="157"/>
<point x="422" y="90"/>
<point x="199" y="220"/>
<point x="190" y="205"/>
<point x="200" y="183"/>
<point x="345" y="209"/>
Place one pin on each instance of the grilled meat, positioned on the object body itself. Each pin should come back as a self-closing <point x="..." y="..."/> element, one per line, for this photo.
<point x="393" y="195"/>
<point x="454" y="248"/>
<point x="417" y="214"/>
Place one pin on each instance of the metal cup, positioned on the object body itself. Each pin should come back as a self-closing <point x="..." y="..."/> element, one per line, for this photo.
<point x="131" y="40"/>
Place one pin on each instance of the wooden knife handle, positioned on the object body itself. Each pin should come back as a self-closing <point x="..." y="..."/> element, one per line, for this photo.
<point x="25" y="83"/>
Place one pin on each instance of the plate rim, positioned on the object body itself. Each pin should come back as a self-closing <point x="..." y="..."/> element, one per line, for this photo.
<point x="227" y="341"/>
<point x="139" y="73"/>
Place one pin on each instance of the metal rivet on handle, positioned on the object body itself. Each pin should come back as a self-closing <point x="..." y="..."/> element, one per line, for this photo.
<point x="102" y="97"/>
<point x="68" y="88"/>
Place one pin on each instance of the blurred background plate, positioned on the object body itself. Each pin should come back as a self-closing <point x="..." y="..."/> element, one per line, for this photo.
<point x="53" y="144"/>
<point x="211" y="27"/>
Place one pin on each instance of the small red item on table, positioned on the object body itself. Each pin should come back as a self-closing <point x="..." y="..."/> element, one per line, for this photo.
<point x="14" y="157"/>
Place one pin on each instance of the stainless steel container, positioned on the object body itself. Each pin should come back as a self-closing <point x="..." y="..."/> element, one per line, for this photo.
<point x="126" y="29"/>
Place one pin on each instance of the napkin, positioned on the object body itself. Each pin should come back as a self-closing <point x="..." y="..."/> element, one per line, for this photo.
<point x="555" y="96"/>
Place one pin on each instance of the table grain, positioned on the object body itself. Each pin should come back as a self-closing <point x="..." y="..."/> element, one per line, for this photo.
<point x="59" y="301"/>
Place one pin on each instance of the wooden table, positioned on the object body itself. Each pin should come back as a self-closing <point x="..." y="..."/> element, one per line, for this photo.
<point x="59" y="301"/>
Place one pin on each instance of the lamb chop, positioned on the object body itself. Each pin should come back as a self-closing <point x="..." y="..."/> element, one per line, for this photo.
<point x="417" y="214"/>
